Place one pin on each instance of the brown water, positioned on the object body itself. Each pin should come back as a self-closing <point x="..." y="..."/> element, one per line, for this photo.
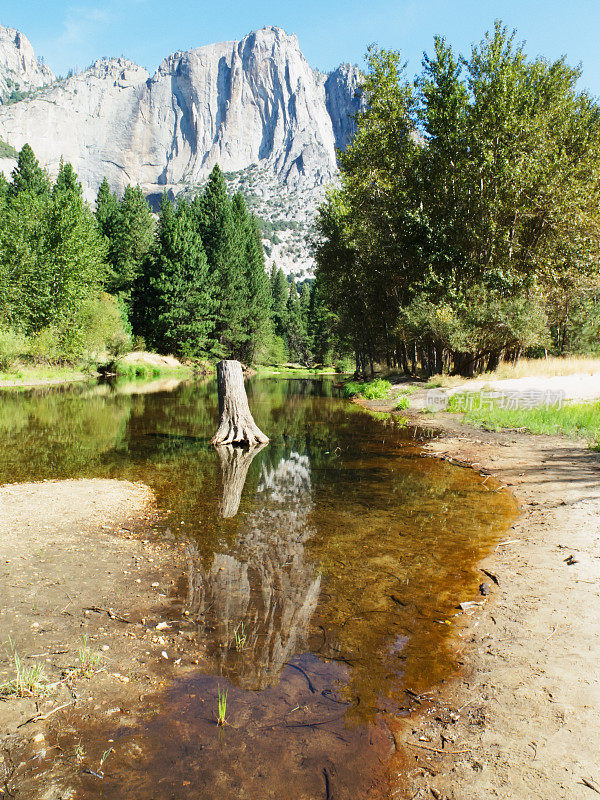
<point x="338" y="553"/>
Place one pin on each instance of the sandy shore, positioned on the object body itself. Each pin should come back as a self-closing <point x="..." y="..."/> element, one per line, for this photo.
<point x="523" y="720"/>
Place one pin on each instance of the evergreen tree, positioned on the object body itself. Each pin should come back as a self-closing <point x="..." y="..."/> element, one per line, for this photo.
<point x="225" y="254"/>
<point x="175" y="298"/>
<point x="279" y="298"/>
<point x="28" y="176"/>
<point x="254" y="299"/>
<point x="107" y="205"/>
<point x="297" y="337"/>
<point x="51" y="255"/>
<point x="66" y="181"/>
<point x="130" y="231"/>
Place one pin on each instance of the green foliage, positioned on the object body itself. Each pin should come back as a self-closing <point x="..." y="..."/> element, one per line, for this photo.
<point x="12" y="345"/>
<point x="468" y="197"/>
<point x="175" y="298"/>
<point x="51" y="257"/>
<point x="370" y="390"/>
<point x="129" y="228"/>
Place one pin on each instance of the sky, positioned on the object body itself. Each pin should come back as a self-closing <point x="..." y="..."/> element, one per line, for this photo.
<point x="74" y="34"/>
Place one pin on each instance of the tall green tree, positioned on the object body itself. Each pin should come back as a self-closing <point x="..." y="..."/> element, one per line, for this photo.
<point x="254" y="297"/>
<point x="28" y="176"/>
<point x="479" y="184"/>
<point x="130" y="231"/>
<point x="176" y="293"/>
<point x="224" y="251"/>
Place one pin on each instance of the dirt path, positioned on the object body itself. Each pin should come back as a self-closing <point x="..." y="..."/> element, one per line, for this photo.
<point x="523" y="721"/>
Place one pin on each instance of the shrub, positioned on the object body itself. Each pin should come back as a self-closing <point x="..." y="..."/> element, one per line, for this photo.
<point x="12" y="345"/>
<point x="345" y="364"/>
<point x="370" y="390"/>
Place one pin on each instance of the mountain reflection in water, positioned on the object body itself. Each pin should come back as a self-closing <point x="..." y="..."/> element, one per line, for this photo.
<point x="266" y="586"/>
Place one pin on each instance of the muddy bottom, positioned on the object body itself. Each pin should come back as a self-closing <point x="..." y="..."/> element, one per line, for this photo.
<point x="316" y="582"/>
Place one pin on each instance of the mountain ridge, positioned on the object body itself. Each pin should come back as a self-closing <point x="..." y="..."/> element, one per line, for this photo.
<point x="239" y="104"/>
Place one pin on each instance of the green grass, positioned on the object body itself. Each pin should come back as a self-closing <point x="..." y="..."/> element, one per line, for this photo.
<point x="293" y="372"/>
<point x="222" y="706"/>
<point x="28" y="681"/>
<point x="32" y="373"/>
<point x="580" y="420"/>
<point x="89" y="659"/>
<point x="370" y="390"/>
<point x="147" y="372"/>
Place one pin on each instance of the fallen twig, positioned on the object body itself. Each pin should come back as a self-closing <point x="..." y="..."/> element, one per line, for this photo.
<point x="110" y="613"/>
<point x="590" y="784"/>
<point x="508" y="541"/>
<point x="39" y="717"/>
<point x="437" y="750"/>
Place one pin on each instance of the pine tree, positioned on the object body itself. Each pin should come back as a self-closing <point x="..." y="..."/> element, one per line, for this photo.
<point x="175" y="298"/>
<point x="130" y="230"/>
<point x="107" y="206"/>
<point x="254" y="299"/>
<point x="225" y="257"/>
<point x="296" y="331"/>
<point x="279" y="297"/>
<point x="28" y="176"/>
<point x="66" y="181"/>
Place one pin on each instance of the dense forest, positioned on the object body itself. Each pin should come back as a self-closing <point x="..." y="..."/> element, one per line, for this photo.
<point x="75" y="284"/>
<point x="467" y="225"/>
<point x="465" y="230"/>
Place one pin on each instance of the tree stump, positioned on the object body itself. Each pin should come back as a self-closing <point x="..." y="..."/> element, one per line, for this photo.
<point x="236" y="425"/>
<point x="235" y="462"/>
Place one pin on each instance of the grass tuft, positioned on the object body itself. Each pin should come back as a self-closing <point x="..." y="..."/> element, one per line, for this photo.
<point x="222" y="706"/>
<point x="88" y="659"/>
<point x="28" y="681"/>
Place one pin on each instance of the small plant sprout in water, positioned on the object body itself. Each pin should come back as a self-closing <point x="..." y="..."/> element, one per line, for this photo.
<point x="239" y="637"/>
<point x="222" y="705"/>
<point x="105" y="755"/>
<point x="88" y="659"/>
<point x="28" y="681"/>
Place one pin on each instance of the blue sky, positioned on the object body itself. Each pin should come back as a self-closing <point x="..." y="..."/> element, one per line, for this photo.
<point x="74" y="34"/>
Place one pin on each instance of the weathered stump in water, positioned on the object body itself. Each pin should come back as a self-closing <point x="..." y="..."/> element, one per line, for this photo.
<point x="235" y="462"/>
<point x="236" y="425"/>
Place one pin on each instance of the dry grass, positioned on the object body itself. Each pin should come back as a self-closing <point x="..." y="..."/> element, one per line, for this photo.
<point x="527" y="368"/>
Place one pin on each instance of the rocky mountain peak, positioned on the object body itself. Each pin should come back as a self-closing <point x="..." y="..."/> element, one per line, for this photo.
<point x="20" y="71"/>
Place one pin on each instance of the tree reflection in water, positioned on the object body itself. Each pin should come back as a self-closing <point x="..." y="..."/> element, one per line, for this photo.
<point x="266" y="584"/>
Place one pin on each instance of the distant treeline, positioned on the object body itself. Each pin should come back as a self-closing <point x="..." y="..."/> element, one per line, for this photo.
<point x="74" y="282"/>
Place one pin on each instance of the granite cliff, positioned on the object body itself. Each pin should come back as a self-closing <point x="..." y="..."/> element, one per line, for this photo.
<point x="255" y="107"/>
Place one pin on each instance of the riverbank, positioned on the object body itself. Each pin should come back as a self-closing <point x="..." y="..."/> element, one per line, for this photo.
<point x="522" y="720"/>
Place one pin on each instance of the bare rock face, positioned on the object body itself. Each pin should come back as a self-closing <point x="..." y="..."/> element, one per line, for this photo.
<point x="256" y="101"/>
<point x="255" y="107"/>
<point x="20" y="71"/>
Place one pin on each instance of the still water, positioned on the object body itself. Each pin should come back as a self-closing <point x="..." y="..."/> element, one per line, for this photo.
<point x="338" y="553"/>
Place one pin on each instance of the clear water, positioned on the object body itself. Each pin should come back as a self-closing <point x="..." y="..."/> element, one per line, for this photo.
<point x="338" y="551"/>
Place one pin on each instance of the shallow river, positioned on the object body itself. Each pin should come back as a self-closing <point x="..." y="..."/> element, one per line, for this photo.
<point x="324" y="575"/>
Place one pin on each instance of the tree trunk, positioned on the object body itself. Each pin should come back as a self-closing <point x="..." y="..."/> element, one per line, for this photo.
<point x="236" y="425"/>
<point x="235" y="462"/>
